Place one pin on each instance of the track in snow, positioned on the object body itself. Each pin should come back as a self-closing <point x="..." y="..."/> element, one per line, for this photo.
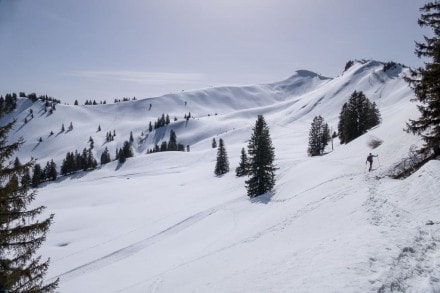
<point x="132" y="249"/>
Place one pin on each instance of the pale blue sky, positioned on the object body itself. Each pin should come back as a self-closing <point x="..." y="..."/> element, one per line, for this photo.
<point x="102" y="49"/>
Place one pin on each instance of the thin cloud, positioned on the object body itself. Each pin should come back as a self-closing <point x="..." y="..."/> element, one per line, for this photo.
<point x="142" y="77"/>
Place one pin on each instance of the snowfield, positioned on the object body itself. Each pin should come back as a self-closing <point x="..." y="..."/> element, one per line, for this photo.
<point x="163" y="222"/>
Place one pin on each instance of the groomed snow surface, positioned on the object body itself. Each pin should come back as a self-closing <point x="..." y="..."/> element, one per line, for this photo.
<point x="164" y="223"/>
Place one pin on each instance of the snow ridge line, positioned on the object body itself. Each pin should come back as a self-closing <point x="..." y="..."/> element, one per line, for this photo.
<point x="132" y="249"/>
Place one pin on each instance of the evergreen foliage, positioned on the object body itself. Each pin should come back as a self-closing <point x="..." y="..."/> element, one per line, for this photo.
<point x="214" y="143"/>
<point x="21" y="234"/>
<point x="125" y="152"/>
<point x="50" y="171"/>
<point x="261" y="160"/>
<point x="222" y="164"/>
<point x="74" y="162"/>
<point x="8" y="103"/>
<point x="172" y="143"/>
<point x="105" y="157"/>
<point x="426" y="82"/>
<point x="92" y="143"/>
<point x="37" y="175"/>
<point x="131" y="137"/>
<point x="356" y="117"/>
<point x="319" y="136"/>
<point x="243" y="167"/>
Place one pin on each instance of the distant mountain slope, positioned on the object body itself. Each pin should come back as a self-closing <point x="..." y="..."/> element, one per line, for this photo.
<point x="299" y="97"/>
<point x="164" y="222"/>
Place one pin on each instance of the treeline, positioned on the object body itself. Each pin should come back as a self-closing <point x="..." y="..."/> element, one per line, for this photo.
<point x="75" y="161"/>
<point x="39" y="174"/>
<point x="171" y="145"/>
<point x="8" y="103"/>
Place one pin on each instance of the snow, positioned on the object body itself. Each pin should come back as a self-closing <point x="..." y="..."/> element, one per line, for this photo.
<point x="164" y="223"/>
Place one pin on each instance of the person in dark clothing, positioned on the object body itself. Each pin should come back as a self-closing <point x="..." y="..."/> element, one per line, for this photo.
<point x="370" y="160"/>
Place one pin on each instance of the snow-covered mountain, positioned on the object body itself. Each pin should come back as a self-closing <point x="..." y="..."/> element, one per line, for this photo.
<point x="163" y="222"/>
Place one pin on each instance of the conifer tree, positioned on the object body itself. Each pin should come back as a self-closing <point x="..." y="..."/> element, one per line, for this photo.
<point x="319" y="136"/>
<point x="356" y="117"/>
<point x="105" y="157"/>
<point x="50" y="171"/>
<point x="17" y="163"/>
<point x="172" y="143"/>
<point x="125" y="152"/>
<point x="214" y="143"/>
<point x="26" y="178"/>
<point x="91" y="142"/>
<point x="243" y="166"/>
<point x="163" y="146"/>
<point x="91" y="161"/>
<point x="20" y="233"/>
<point x="37" y="175"/>
<point x="131" y="137"/>
<point x="222" y="164"/>
<point x="426" y="81"/>
<point x="261" y="160"/>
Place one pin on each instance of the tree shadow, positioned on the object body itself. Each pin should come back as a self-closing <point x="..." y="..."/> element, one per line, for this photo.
<point x="61" y="131"/>
<point x="118" y="166"/>
<point x="36" y="146"/>
<point x="263" y="198"/>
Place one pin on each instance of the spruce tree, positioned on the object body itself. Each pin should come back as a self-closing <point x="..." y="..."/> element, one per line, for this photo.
<point x="261" y="160"/>
<point x="222" y="164"/>
<point x="319" y="136"/>
<point x="125" y="152"/>
<point x="52" y="172"/>
<point x="105" y="156"/>
<point x="37" y="175"/>
<point x="214" y="143"/>
<point x="243" y="166"/>
<point x="163" y="146"/>
<point x="92" y="143"/>
<point x="21" y="234"/>
<point x="426" y="81"/>
<point x="356" y="117"/>
<point x="172" y="143"/>
<point x="131" y="137"/>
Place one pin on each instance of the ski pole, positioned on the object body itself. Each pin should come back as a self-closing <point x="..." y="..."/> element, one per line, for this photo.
<point x="378" y="160"/>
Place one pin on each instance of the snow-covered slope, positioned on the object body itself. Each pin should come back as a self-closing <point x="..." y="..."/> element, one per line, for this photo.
<point x="164" y="223"/>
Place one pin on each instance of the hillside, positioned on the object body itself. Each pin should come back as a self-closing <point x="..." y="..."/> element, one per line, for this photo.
<point x="163" y="222"/>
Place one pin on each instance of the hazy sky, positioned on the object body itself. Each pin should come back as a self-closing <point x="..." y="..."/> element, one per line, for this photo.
<point x="102" y="49"/>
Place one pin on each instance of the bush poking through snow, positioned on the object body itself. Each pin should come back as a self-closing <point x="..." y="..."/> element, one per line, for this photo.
<point x="375" y="142"/>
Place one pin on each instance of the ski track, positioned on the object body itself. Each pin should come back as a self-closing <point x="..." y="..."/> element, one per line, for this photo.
<point x="417" y="261"/>
<point x="130" y="250"/>
<point x="311" y="206"/>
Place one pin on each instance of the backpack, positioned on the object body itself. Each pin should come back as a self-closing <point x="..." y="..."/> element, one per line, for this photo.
<point x="370" y="159"/>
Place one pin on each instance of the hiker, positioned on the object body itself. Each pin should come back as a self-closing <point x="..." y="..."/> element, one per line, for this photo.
<point x="370" y="160"/>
